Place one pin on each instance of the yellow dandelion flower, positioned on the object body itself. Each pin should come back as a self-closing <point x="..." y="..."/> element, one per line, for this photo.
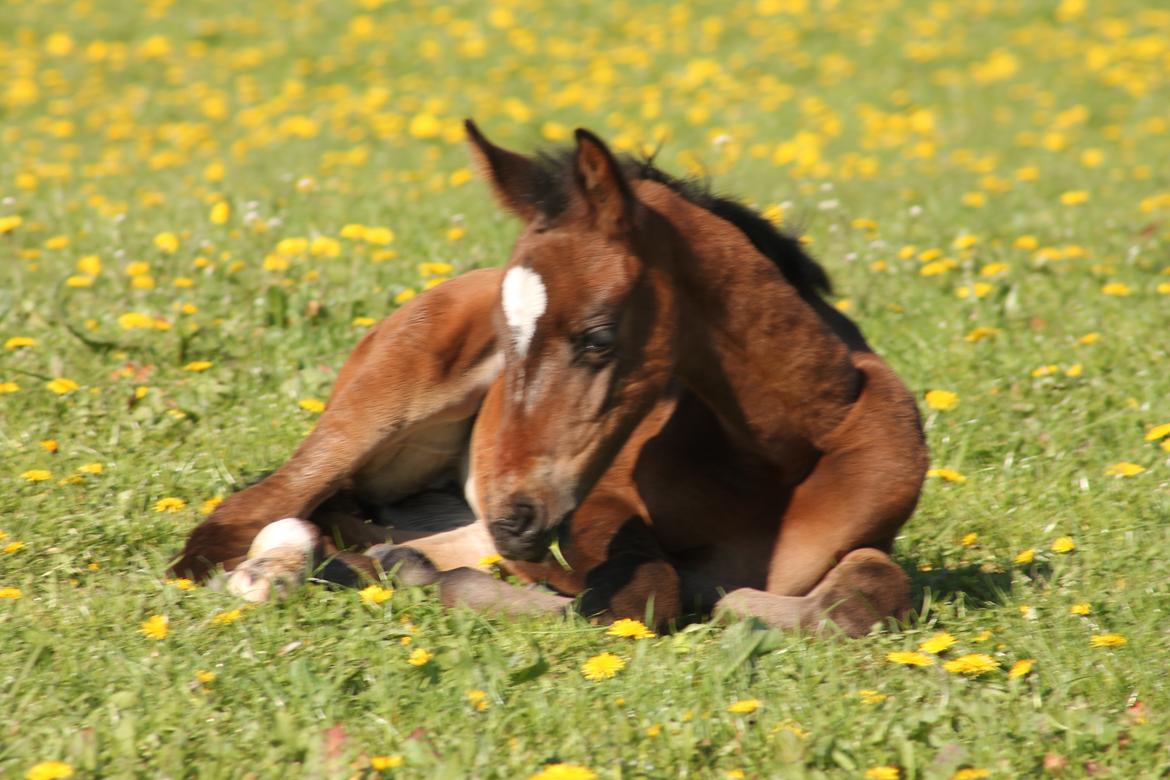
<point x="910" y="658"/>
<point x="981" y="333"/>
<point x="1020" y="668"/>
<point x="870" y="696"/>
<point x="942" y="400"/>
<point x="488" y="561"/>
<point x="1081" y="608"/>
<point x="62" y="386"/>
<point x="883" y="773"/>
<point x="90" y="265"/>
<point x="971" y="773"/>
<point x="1158" y="432"/>
<point x="36" y="475"/>
<point x="1026" y="556"/>
<point x="1074" y="197"/>
<point x="634" y="629"/>
<point x="792" y="727"/>
<point x="382" y="763"/>
<point x="1117" y="289"/>
<point x="375" y="594"/>
<point x="78" y="282"/>
<point x="602" y="667"/>
<point x="49" y="445"/>
<point x="313" y="405"/>
<point x="226" y="618"/>
<point x="11" y="593"/>
<point x="12" y="547"/>
<point x="379" y="236"/>
<point x="1107" y="640"/>
<point x="363" y="322"/>
<point x="49" y="770"/>
<point x="135" y="320"/>
<point x="205" y="677"/>
<point x="182" y="583"/>
<point x="420" y="657"/>
<point x="994" y="269"/>
<point x="198" y="365"/>
<point x="170" y="504"/>
<point x="563" y="772"/>
<point x="424" y="126"/>
<point x="91" y="468"/>
<point x="9" y="387"/>
<point x="938" y="643"/>
<point x="167" y="242"/>
<point x="1063" y="545"/>
<point x="969" y="539"/>
<point x="155" y="627"/>
<point x="456" y="233"/>
<point x="10" y="223"/>
<point x="1089" y="338"/>
<point x="949" y="475"/>
<point x="744" y="706"/>
<point x="404" y="296"/>
<point x="977" y="290"/>
<point x="973" y="664"/>
<point x="220" y="213"/>
<point x="435" y="269"/>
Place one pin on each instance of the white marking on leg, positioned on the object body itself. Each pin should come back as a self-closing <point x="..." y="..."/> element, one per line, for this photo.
<point x="278" y="560"/>
<point x="291" y="532"/>
<point x="524" y="299"/>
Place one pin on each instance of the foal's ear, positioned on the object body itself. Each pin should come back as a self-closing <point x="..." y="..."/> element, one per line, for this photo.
<point x="512" y="176"/>
<point x="602" y="184"/>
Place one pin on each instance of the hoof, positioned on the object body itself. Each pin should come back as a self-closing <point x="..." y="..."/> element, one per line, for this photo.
<point x="404" y="564"/>
<point x="865" y="588"/>
<point x="272" y="576"/>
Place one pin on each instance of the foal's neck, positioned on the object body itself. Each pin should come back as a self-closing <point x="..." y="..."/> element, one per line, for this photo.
<point x="751" y="346"/>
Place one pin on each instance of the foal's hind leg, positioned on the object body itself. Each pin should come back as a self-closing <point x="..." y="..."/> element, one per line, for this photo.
<point x="832" y="543"/>
<point x="864" y="588"/>
<point x="417" y="374"/>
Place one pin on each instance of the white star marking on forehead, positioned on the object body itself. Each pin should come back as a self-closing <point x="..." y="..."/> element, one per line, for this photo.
<point x="524" y="300"/>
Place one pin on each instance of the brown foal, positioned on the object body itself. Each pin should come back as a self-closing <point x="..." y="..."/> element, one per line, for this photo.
<point x="653" y="379"/>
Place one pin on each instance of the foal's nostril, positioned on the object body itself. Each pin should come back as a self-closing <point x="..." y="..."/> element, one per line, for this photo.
<point x="523" y="515"/>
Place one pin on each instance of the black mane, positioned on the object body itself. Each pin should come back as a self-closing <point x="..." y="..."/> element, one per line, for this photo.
<point x="550" y="188"/>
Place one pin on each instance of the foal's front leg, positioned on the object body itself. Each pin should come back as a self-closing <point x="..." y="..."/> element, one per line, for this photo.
<point x="432" y="360"/>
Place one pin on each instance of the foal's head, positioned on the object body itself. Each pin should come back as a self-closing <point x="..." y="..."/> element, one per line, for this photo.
<point x="586" y="323"/>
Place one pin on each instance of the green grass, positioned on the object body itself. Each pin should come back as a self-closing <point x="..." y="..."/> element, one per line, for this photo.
<point x="878" y="125"/>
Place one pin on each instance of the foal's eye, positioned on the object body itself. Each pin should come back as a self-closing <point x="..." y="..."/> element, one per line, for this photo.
<point x="598" y="342"/>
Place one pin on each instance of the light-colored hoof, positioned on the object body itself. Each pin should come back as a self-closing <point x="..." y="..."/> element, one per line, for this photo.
<point x="274" y="575"/>
<point x="278" y="561"/>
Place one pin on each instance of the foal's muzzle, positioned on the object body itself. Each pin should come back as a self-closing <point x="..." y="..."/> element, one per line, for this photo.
<point x="524" y="533"/>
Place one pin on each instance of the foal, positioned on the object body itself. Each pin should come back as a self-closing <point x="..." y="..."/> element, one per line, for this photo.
<point x="653" y="379"/>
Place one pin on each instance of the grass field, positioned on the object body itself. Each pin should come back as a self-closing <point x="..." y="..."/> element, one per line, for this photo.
<point x="203" y="206"/>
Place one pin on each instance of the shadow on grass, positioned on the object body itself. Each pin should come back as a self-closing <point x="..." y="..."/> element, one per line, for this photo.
<point x="973" y="584"/>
